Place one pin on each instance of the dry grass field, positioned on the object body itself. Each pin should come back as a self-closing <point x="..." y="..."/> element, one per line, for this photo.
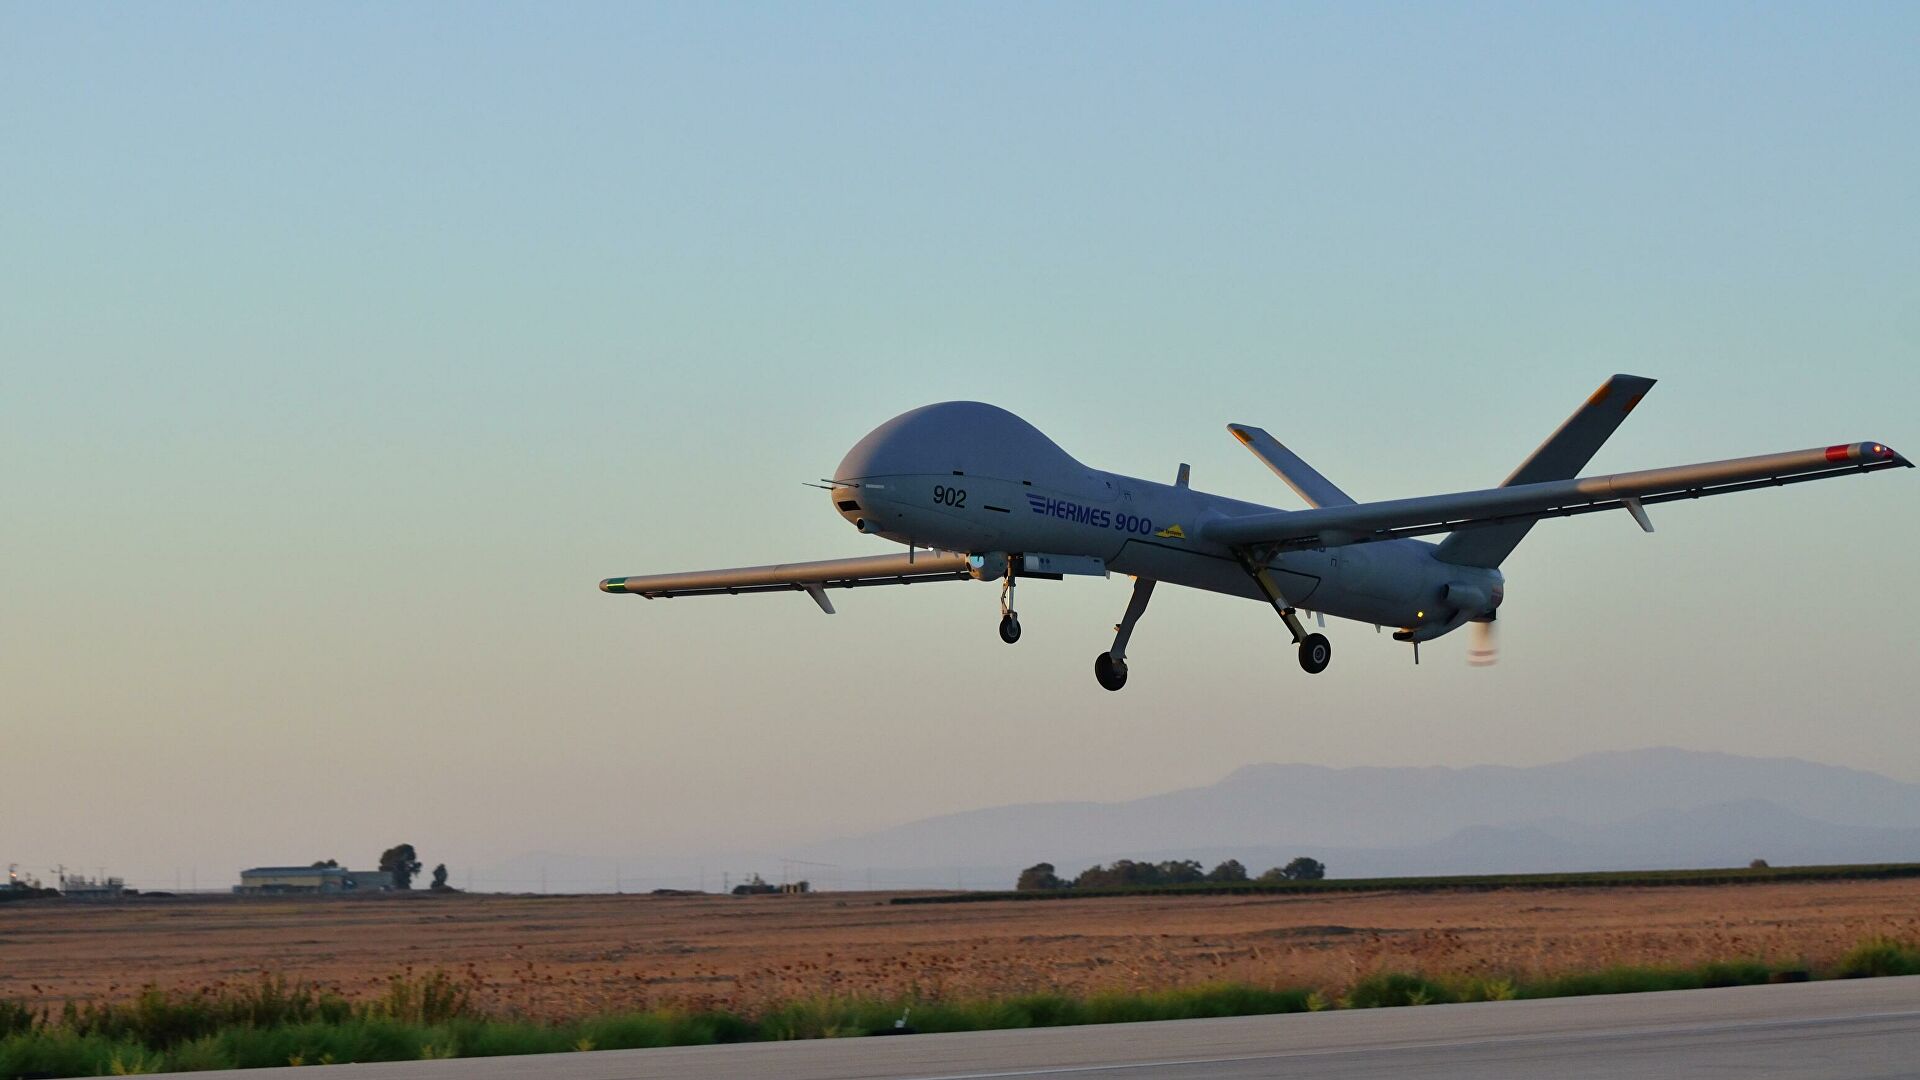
<point x="565" y="957"/>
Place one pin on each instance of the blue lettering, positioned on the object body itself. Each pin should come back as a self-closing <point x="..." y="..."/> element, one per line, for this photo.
<point x="1085" y="515"/>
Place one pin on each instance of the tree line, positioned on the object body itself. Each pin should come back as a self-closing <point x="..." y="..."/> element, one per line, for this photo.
<point x="1126" y="872"/>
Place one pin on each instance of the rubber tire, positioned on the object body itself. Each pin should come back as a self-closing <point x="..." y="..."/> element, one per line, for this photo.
<point x="1315" y="654"/>
<point x="1009" y="628"/>
<point x="1111" y="673"/>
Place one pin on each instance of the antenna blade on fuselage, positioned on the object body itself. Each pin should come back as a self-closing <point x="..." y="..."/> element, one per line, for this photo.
<point x="1314" y="489"/>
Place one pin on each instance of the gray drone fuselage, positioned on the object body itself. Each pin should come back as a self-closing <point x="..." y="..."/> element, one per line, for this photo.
<point x="969" y="477"/>
<point x="988" y="497"/>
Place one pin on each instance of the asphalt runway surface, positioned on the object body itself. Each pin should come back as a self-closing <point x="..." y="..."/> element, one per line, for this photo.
<point x="1858" y="1030"/>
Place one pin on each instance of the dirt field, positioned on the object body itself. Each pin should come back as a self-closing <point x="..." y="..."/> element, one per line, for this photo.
<point x="567" y="956"/>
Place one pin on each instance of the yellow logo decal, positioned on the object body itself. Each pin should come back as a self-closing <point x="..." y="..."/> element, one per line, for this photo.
<point x="1172" y="532"/>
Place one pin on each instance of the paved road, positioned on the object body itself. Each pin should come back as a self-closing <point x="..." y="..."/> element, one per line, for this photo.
<point x="1854" y="1030"/>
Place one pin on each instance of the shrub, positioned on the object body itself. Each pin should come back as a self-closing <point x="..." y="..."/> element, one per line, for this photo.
<point x="1879" y="956"/>
<point x="1488" y="989"/>
<point x="17" y="1017"/>
<point x="1616" y="980"/>
<point x="433" y="998"/>
<point x="63" y="1053"/>
<point x="1396" y="988"/>
<point x="1735" y="973"/>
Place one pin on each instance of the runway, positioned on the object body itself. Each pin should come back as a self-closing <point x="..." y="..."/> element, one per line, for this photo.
<point x="1857" y="1030"/>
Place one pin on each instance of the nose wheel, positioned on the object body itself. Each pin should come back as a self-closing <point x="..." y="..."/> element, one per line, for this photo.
<point x="1009" y="628"/>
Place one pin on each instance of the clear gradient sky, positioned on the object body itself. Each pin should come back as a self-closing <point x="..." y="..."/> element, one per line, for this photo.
<point x="343" y="348"/>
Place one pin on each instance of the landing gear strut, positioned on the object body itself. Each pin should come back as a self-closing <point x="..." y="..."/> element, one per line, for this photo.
<point x="1110" y="668"/>
<point x="1315" y="651"/>
<point x="1009" y="619"/>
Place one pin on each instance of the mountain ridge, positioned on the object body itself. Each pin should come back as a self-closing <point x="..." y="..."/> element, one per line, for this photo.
<point x="1384" y="807"/>
<point x="1651" y="808"/>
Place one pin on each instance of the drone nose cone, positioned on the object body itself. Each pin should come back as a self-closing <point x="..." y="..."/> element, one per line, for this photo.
<point x="856" y="504"/>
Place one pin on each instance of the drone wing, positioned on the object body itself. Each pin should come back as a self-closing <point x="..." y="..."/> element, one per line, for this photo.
<point x="812" y="578"/>
<point x="1333" y="526"/>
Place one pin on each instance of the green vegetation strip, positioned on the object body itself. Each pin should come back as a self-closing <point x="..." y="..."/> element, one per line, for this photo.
<point x="277" y="1023"/>
<point x="1594" y="879"/>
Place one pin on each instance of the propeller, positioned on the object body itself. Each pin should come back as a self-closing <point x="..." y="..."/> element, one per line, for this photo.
<point x="1483" y="645"/>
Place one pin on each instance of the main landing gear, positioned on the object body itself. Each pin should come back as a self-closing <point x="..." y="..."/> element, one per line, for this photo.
<point x="1110" y="668"/>
<point x="1316" y="652"/>
<point x="1009" y="619"/>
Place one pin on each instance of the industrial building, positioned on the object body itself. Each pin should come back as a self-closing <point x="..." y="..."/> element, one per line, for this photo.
<point x="311" y="879"/>
<point x="81" y="887"/>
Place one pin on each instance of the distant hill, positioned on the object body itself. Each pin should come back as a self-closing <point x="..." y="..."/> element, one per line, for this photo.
<point x="1724" y="834"/>
<point x="1655" y="808"/>
<point x="1643" y="809"/>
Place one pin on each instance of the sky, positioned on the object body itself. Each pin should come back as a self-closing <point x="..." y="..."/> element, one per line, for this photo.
<point x="344" y="348"/>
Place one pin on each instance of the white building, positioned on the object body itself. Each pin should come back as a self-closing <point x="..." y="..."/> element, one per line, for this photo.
<point x="312" y="879"/>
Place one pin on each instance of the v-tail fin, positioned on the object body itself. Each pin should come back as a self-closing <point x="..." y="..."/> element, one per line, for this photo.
<point x="1561" y="457"/>
<point x="1305" y="481"/>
